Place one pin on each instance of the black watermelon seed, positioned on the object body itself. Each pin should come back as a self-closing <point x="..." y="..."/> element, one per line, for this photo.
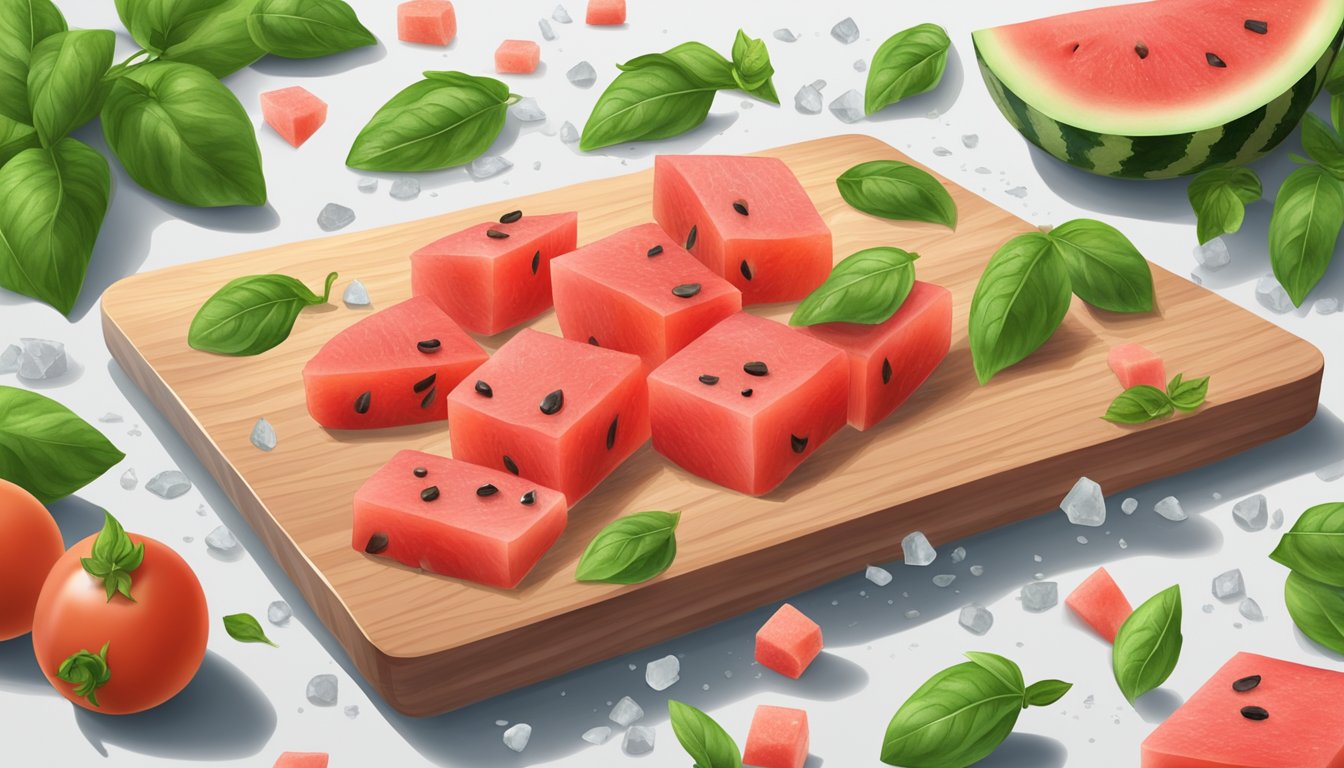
<point x="756" y="368"/>
<point x="1142" y="50"/>
<point x="425" y="383"/>
<point x="690" y="239"/>
<point x="740" y="206"/>
<point x="487" y="490"/>
<point x="593" y="340"/>
<point x="706" y="378"/>
<point x="509" y="465"/>
<point x="1258" y="27"/>
<point x="654" y="251"/>
<point x="529" y="498"/>
<point x="552" y="403"/>
<point x="429" y="346"/>
<point x="686" y="290"/>
<point x="1214" y="61"/>
<point x="510" y="217"/>
<point x="1246" y="683"/>
<point x="746" y="392"/>
<point x="420" y="472"/>
<point x="484" y="389"/>
<point x="428" y="399"/>
<point x="1076" y="46"/>
<point x="363" y="402"/>
<point x="495" y="234"/>
<point x="886" y="371"/>
<point x="1255" y="713"/>
<point x="799" y="443"/>
<point x="429" y="494"/>
<point x="611" y="432"/>
<point x="377" y="543"/>
<point x="746" y="269"/>
<point x="536" y="262"/>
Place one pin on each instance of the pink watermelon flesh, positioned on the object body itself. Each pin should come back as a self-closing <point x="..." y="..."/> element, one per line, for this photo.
<point x="301" y="760"/>
<point x="1305" y="727"/>
<point x="614" y="294"/>
<point x="777" y="739"/>
<point x="889" y="361"/>
<point x="428" y="22"/>
<point x="747" y="432"/>
<point x="1134" y="364"/>
<point x="517" y="57"/>
<point x="460" y="528"/>
<point x="603" y="415"/>
<point x="294" y="113"/>
<point x="779" y="250"/>
<point x="788" y="642"/>
<point x="1099" y="602"/>
<point x="490" y="284"/>
<point x="387" y="371"/>
<point x="602" y="12"/>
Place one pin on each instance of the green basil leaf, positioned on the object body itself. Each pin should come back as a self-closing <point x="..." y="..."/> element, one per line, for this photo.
<point x="215" y="39"/>
<point x="1139" y="405"/>
<point x="245" y="628"/>
<point x="1188" y="395"/>
<point x="752" y="70"/>
<point x="1317" y="609"/>
<point x="47" y="450"/>
<point x="700" y="61"/>
<point x="1308" y="214"/>
<point x="956" y="718"/>
<point x="1046" y="692"/>
<point x="305" y="29"/>
<point x="113" y="558"/>
<point x="65" y="79"/>
<point x="1219" y="198"/>
<point x="447" y="119"/>
<point x="1334" y="79"/>
<point x="23" y="24"/>
<point x="1105" y="268"/>
<point x="14" y="138"/>
<point x="152" y="23"/>
<point x="1323" y="144"/>
<point x="1022" y="297"/>
<point x="703" y="739"/>
<point x="1148" y="644"/>
<point x="1337" y="108"/>
<point x="658" y="99"/>
<point x="631" y="550"/>
<point x="895" y="190"/>
<point x="52" y="204"/>
<point x="1004" y="669"/>
<point x="867" y="288"/>
<point x="182" y="135"/>
<point x="908" y="63"/>
<point x="1314" y="546"/>
<point x="252" y="314"/>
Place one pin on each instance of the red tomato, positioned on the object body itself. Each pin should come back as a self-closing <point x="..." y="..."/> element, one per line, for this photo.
<point x="154" y="644"/>
<point x="30" y="543"/>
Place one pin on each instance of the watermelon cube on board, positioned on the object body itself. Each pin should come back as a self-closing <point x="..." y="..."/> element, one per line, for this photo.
<point x="778" y="738"/>
<point x="1304" y="726"/>
<point x="746" y="218"/>
<point x="492" y="282"/>
<point x="457" y="519"/>
<point x="605" y="12"/>
<point x="560" y="413"/>
<point x="890" y="360"/>
<point x="428" y="22"/>
<point x="639" y="292"/>
<point x="301" y="760"/>
<point x="517" y="57"/>
<point x="294" y="113"/>
<point x="788" y="642"/>
<point x="747" y="402"/>
<point x="1099" y="602"/>
<point x="1134" y="364"/>
<point x="391" y="368"/>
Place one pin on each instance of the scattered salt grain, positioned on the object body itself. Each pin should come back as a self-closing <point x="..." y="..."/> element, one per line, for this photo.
<point x="912" y="614"/>
<point x="1331" y="472"/>
<point x="785" y="35"/>
<point x="848" y="107"/>
<point x="221" y="540"/>
<point x="944" y="580"/>
<point x="1251" y="610"/>
<point x="367" y="185"/>
<point x="517" y="736"/>
<point x="526" y="110"/>
<point x="1251" y="513"/>
<point x="1207" y="607"/>
<point x="9" y="359"/>
<point x="352" y="711"/>
<point x="561" y="15"/>
<point x="1129" y="505"/>
<point x="568" y="133"/>
<point x="1123" y="544"/>
<point x="1170" y="508"/>
<point x="599" y="735"/>
<point x="1018" y="192"/>
<point x="1277" y="521"/>
<point x="860" y="65"/>
<point x="487" y="167"/>
<point x="976" y="619"/>
<point x="917" y="549"/>
<point x="41" y="359"/>
<point x="1326" y="306"/>
<point x="1081" y="539"/>
<point x="663" y="673"/>
<point x="1229" y="584"/>
<point x="263" y="435"/>
<point x="977" y="570"/>
<point x="846" y="31"/>
<point x="356" y="295"/>
<point x="110" y="418"/>
<point x="1272" y="296"/>
<point x="807" y="100"/>
<point x="942" y="152"/>
<point x="1085" y="504"/>
<point x="1213" y="255"/>
<point x="958" y="554"/>
<point x="820" y="85"/>
<point x="169" y="484"/>
<point x="279" y="613"/>
<point x="879" y="576"/>
<point x="582" y="75"/>
<point x="334" y="217"/>
<point x="970" y="141"/>
<point x="626" y="712"/>
<point x="405" y="189"/>
<point x="1040" y="596"/>
<point x="547" y="31"/>
<point x="982" y="170"/>
<point x="638" y="740"/>
<point x="129" y="480"/>
<point x="322" y="691"/>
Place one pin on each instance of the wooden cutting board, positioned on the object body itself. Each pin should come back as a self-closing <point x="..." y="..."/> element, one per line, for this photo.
<point x="957" y="459"/>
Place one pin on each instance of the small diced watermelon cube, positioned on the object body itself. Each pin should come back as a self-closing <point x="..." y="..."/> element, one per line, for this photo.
<point x="1135" y="364"/>
<point x="888" y="361"/>
<point x="428" y="22"/>
<point x="301" y="760"/>
<point x="777" y="739"/>
<point x="517" y="57"/>
<point x="603" y="12"/>
<point x="614" y="294"/>
<point x="788" y="642"/>
<point x="457" y="519"/>
<point x="294" y="113"/>
<point x="1099" y="602"/>
<point x="560" y="413"/>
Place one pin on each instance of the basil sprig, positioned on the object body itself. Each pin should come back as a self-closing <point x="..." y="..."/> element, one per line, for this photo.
<point x="1220" y="197"/>
<point x="113" y="558"/>
<point x="898" y="191"/>
<point x="252" y="314"/>
<point x="46" y="449"/>
<point x="1148" y="644"/>
<point x="866" y="287"/>
<point x="1314" y="593"/>
<point x="910" y="62"/>
<point x="245" y="628"/>
<point x="631" y="550"/>
<point x="1145" y="403"/>
<point x="703" y="739"/>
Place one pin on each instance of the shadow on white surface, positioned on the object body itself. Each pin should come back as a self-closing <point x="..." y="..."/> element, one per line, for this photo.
<point x="1027" y="750"/>
<point x="19" y="672"/>
<point x="1156" y="706"/>
<point x="78" y="519"/>
<point x="325" y="66"/>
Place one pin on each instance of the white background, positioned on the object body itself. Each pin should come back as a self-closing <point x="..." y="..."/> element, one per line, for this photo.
<point x="248" y="704"/>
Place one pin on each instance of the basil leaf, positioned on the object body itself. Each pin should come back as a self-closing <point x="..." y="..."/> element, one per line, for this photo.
<point x="1219" y="198"/>
<point x="1148" y="644"/>
<point x="1323" y="144"/>
<point x="14" y="138"/>
<point x="65" y="80"/>
<point x="867" y="287"/>
<point x="908" y="63"/>
<point x="47" y="450"/>
<point x="113" y="558"/>
<point x="1105" y="269"/>
<point x="703" y="739"/>
<point x="752" y="69"/>
<point x="631" y="550"/>
<point x="699" y="60"/>
<point x="447" y="119"/>
<point x="1314" y="546"/>
<point x="1004" y="669"/>
<point x="23" y="24"/>
<point x="1337" y="108"/>
<point x="1188" y="395"/>
<point x="956" y="718"/>
<point x="899" y="191"/>
<point x="210" y="34"/>
<point x="305" y="29"/>
<point x="52" y="204"/>
<point x="1317" y="609"/>
<point x="1308" y="214"/>
<point x="658" y="99"/>
<point x="1139" y="405"/>
<point x="182" y="135"/>
<point x="1022" y="297"/>
<point x="252" y="314"/>
<point x="244" y="628"/>
<point x="1334" y="79"/>
<point x="152" y="23"/>
<point x="1046" y="692"/>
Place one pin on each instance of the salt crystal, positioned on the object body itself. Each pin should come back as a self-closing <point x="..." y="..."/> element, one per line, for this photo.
<point x="663" y="673"/>
<point x="1129" y="506"/>
<point x="1277" y="521"/>
<point x="1018" y="192"/>
<point x="1123" y="544"/>
<point x="41" y="359"/>
<point x="846" y="31"/>
<point x="944" y="580"/>
<point x="356" y="295"/>
<point x="626" y="712"/>
<point x="982" y="170"/>
<point x="487" y="167"/>
<point x="516" y="737"/>
<point x="917" y="549"/>
<point x="322" y="691"/>
<point x="502" y="723"/>
<point x="352" y="711"/>
<point x="860" y="65"/>
<point x="1270" y="294"/>
<point x="1085" y="504"/>
<point x="1213" y="255"/>
<point x="568" y="133"/>
<point x="1207" y="608"/>
<point x="263" y="435"/>
<point x="1228" y="584"/>
<point x="976" y="619"/>
<point x="638" y="740"/>
<point x="582" y="74"/>
<point x="785" y="35"/>
<point x="1038" y="558"/>
<point x="129" y="480"/>
<point x="1040" y="596"/>
<point x="958" y="554"/>
<point x="942" y="152"/>
<point x="169" y="484"/>
<point x="1081" y="539"/>
<point x="848" y="107"/>
<point x="970" y="141"/>
<point x="110" y="418"/>
<point x="1251" y="610"/>
<point x="1170" y="508"/>
<point x="879" y="576"/>
<point x="977" y="570"/>
<point x="221" y="540"/>
<point x="599" y="735"/>
<point x="912" y="614"/>
<point x="405" y="189"/>
<point x="279" y="613"/>
<point x="200" y="510"/>
<point x="547" y="31"/>
<point x="820" y="85"/>
<point x="334" y="217"/>
<point x="1326" y="306"/>
<point x="561" y="15"/>
<point x="367" y="185"/>
<point x="1251" y="513"/>
<point x="1331" y="472"/>
<point x="807" y="100"/>
<point x="527" y="110"/>
<point x="9" y="359"/>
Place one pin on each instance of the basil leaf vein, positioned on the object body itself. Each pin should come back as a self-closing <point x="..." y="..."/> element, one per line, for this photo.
<point x="703" y="739"/>
<point x="898" y="191"/>
<point x="1308" y="215"/>
<point x="1021" y="299"/>
<point x="1105" y="269"/>
<point x="867" y="287"/>
<point x="656" y="99"/>
<point x="1148" y="644"/>
<point x="23" y="25"/>
<point x="245" y="628"/>
<point x="631" y="550"/>
<point x="908" y="63"/>
<point x="1323" y="144"/>
<point x="252" y="314"/>
<point x="305" y="29"/>
<point x="1139" y="405"/>
<point x="65" y="80"/>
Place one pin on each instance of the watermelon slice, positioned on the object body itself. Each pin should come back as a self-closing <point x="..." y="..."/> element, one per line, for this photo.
<point x="301" y="760"/>
<point x="1161" y="89"/>
<point x="638" y="292"/>
<point x="390" y="369"/>
<point x="560" y="413"/>
<point x="517" y="57"/>
<point x="457" y="519"/>
<point x="294" y="113"/>
<point x="1135" y="364"/>
<point x="1255" y="712"/>
<point x="746" y="218"/>
<point x="603" y="12"/>
<point x="492" y="282"/>
<point x="428" y="22"/>
<point x="777" y="739"/>
<point x="888" y="361"/>
<point x="788" y="642"/>
<point x="1099" y="602"/>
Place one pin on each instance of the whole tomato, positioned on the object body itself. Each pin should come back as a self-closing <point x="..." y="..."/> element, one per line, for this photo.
<point x="30" y="543"/>
<point x="121" y="623"/>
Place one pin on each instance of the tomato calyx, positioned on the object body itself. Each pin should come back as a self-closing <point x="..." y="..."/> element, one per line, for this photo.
<point x="113" y="558"/>
<point x="87" y="672"/>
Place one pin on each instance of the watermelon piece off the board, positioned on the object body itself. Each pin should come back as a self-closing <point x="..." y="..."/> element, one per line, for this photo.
<point x="778" y="738"/>
<point x="517" y="57"/>
<point x="605" y="12"/>
<point x="457" y="519"/>
<point x="748" y="219"/>
<point x="1099" y="602"/>
<point x="1135" y="364"/>
<point x="428" y="22"/>
<point x="294" y="113"/>
<point x="390" y="369"/>
<point x="301" y="760"/>
<point x="1162" y="89"/>
<point x="1304" y="727"/>
<point x="789" y="642"/>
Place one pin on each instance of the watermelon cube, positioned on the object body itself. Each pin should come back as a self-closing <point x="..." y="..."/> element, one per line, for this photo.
<point x="428" y="22"/>
<point x="517" y="57"/>
<point x="390" y="369"/>
<point x="746" y="218"/>
<point x="777" y="739"/>
<point x="638" y="292"/>
<point x="560" y="413"/>
<point x="294" y="113"/>
<point x="603" y="12"/>
<point x="457" y="519"/>
<point x="1099" y="602"/>
<point x="301" y="760"/>
<point x="1134" y="364"/>
<point x="890" y="360"/>
<point x="747" y="402"/>
<point x="1255" y="712"/>
<point x="788" y="642"/>
<point x="493" y="276"/>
